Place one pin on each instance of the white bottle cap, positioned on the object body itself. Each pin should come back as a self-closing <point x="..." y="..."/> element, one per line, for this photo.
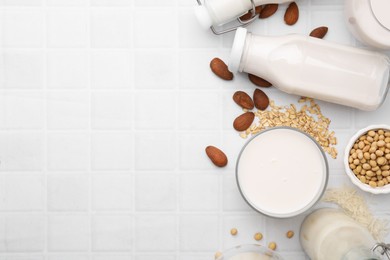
<point x="237" y="50"/>
<point x="203" y="16"/>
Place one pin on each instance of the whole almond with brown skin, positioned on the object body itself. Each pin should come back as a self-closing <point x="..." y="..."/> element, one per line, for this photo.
<point x="260" y="99"/>
<point x="216" y="156"/>
<point x="268" y="10"/>
<point x="259" y="81"/>
<point x="220" y="69"/>
<point x="244" y="121"/>
<point x="243" y="100"/>
<point x="248" y="15"/>
<point x="319" y="32"/>
<point x="292" y="14"/>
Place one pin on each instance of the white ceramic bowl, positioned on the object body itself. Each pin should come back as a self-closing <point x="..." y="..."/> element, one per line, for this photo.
<point x="378" y="190"/>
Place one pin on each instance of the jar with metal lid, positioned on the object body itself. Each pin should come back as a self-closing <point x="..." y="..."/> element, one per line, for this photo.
<point x="330" y="234"/>
<point x="369" y="21"/>
<point x="213" y="13"/>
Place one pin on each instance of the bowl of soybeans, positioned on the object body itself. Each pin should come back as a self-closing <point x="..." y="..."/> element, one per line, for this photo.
<point x="367" y="159"/>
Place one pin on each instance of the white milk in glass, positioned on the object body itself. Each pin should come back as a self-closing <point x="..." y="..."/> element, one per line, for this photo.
<point x="282" y="172"/>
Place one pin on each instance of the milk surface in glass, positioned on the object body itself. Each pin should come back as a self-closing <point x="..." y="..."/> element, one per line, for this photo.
<point x="281" y="172"/>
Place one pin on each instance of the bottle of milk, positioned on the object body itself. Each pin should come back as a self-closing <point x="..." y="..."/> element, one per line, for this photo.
<point x="330" y="234"/>
<point x="218" y="12"/>
<point x="311" y="67"/>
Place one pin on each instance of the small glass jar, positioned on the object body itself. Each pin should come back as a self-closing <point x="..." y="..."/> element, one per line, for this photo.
<point x="330" y="234"/>
<point x="369" y="21"/>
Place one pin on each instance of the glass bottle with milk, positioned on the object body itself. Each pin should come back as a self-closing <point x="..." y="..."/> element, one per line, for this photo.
<point x="330" y="234"/>
<point x="218" y="12"/>
<point x="311" y="67"/>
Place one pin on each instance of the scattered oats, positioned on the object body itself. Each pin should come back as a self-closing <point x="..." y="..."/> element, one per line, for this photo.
<point x="217" y="255"/>
<point x="308" y="119"/>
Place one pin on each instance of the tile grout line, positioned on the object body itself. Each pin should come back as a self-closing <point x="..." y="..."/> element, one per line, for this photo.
<point x="45" y="129"/>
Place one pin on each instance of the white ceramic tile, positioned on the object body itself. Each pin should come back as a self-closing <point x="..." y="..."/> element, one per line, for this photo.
<point x="22" y="28"/>
<point x="67" y="151"/>
<point x="232" y="144"/>
<point x="66" y="2"/>
<point x="194" y="116"/>
<point x="67" y="110"/>
<point x="22" y="69"/>
<point x="112" y="151"/>
<point x="111" y="69"/>
<point x="277" y="229"/>
<point x="247" y="226"/>
<point x="111" y="2"/>
<point x="364" y="118"/>
<point x="155" y="3"/>
<point x="21" y="192"/>
<point x="277" y="26"/>
<point x="21" y="110"/>
<point x="30" y="257"/>
<point x="112" y="192"/>
<point x="159" y="32"/>
<point x="204" y="233"/>
<point x="337" y="32"/>
<point x="67" y="69"/>
<point x="155" y="110"/>
<point x="112" y="233"/>
<point x="22" y="233"/>
<point x="155" y="69"/>
<point x="343" y="137"/>
<point x="197" y="256"/>
<point x="112" y="257"/>
<point x="21" y="2"/>
<point x="68" y="233"/>
<point x="21" y="151"/>
<point x="192" y="151"/>
<point x="195" y="73"/>
<point x="155" y="151"/>
<point x="231" y="197"/>
<point x="111" y="28"/>
<point x="341" y="116"/>
<point x="112" y="110"/>
<point x="67" y="193"/>
<point x="192" y="35"/>
<point x="152" y="257"/>
<point x="68" y="256"/>
<point x="199" y="192"/>
<point x="66" y="28"/>
<point x="155" y="233"/>
<point x="155" y="192"/>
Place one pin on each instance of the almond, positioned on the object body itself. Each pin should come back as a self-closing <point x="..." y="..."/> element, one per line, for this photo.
<point x="292" y="14"/>
<point x="259" y="81"/>
<point x="268" y="10"/>
<point x="243" y="100"/>
<point x="244" y="121"/>
<point x="220" y="69"/>
<point x="260" y="99"/>
<point x="248" y="15"/>
<point x="216" y="156"/>
<point x="319" y="32"/>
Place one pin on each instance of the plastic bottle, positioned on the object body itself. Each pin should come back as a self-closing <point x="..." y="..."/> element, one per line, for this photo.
<point x="311" y="67"/>
<point x="218" y="12"/>
<point x="330" y="234"/>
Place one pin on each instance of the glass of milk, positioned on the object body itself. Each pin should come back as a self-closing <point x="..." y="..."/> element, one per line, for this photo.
<point x="249" y="252"/>
<point x="282" y="172"/>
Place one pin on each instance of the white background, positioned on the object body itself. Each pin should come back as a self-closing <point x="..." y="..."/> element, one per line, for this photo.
<point x="106" y="107"/>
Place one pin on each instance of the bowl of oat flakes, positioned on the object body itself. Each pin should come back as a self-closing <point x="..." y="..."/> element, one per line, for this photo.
<point x="367" y="159"/>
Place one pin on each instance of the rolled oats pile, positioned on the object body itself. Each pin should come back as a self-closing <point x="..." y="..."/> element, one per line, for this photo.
<point x="308" y="119"/>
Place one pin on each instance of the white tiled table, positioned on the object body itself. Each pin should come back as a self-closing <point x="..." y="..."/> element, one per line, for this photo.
<point x="106" y="107"/>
